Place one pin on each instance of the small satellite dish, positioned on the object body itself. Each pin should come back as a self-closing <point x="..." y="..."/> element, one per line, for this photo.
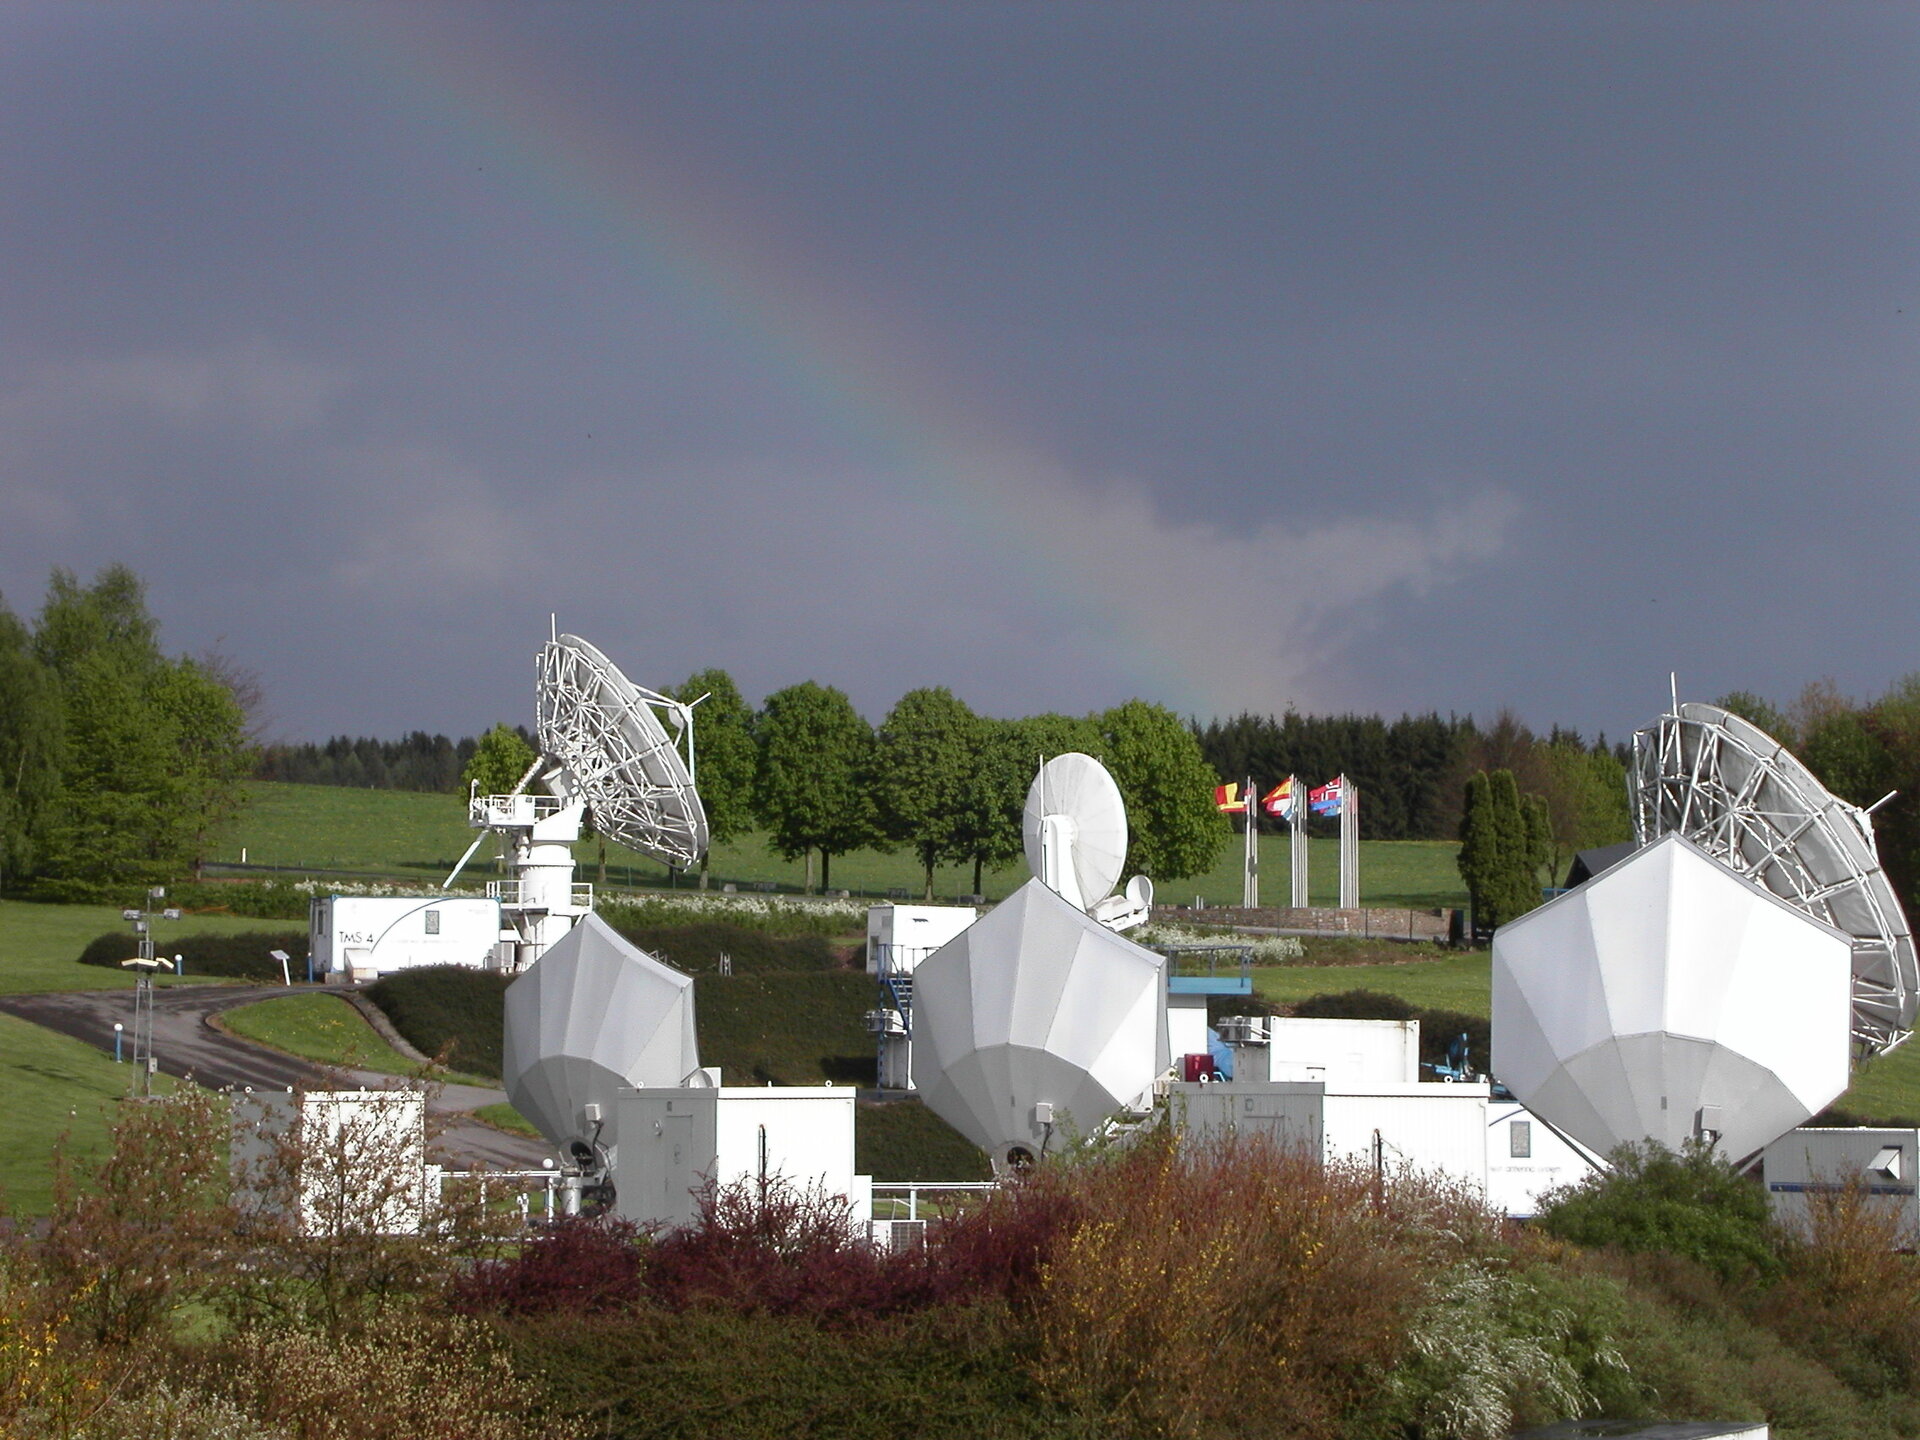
<point x="1737" y="793"/>
<point x="614" y="753"/>
<point x="1075" y="827"/>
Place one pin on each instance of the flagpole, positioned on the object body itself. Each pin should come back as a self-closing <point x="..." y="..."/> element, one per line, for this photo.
<point x="1250" y="874"/>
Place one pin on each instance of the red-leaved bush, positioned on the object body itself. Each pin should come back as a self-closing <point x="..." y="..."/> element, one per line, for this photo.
<point x="582" y="1265"/>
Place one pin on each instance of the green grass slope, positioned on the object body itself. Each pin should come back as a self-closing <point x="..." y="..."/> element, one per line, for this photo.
<point x="414" y="836"/>
<point x="54" y="1086"/>
<point x="41" y="945"/>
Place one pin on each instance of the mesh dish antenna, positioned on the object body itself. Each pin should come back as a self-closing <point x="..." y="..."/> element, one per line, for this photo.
<point x="1735" y="792"/>
<point x="615" y="754"/>
<point x="1075" y="827"/>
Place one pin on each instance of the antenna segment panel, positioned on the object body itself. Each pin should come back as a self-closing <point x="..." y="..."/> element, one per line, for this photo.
<point x="615" y="754"/>
<point x="1736" y="792"/>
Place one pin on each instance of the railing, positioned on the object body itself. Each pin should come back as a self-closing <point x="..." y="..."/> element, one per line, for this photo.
<point x="896" y="1195"/>
<point x="512" y="893"/>
<point x="491" y="811"/>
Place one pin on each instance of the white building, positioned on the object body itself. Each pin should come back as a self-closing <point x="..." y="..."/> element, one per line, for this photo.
<point x="674" y="1142"/>
<point x="1809" y="1162"/>
<point x="352" y="1161"/>
<point x="362" y="937"/>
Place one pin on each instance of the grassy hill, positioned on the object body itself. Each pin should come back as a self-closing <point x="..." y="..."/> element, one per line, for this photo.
<point x="405" y="834"/>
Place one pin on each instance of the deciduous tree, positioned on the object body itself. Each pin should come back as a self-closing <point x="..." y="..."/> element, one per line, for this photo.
<point x="809" y="787"/>
<point x="500" y="758"/>
<point x="923" y="755"/>
<point x="725" y="756"/>
<point x="1168" y="786"/>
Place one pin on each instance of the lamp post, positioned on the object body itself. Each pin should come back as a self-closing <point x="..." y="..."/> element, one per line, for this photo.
<point x="144" y="965"/>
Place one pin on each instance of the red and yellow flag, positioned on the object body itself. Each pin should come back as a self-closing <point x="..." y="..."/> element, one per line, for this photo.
<point x="1228" y="800"/>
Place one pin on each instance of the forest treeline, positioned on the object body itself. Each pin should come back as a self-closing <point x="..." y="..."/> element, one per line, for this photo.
<point x="418" y="761"/>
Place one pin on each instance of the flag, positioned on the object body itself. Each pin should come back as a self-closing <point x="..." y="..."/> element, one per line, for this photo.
<point x="1325" y="799"/>
<point x="1278" y="801"/>
<point x="1228" y="800"/>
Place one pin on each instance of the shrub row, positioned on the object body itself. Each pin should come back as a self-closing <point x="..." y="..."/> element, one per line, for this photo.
<point x="238" y="957"/>
<point x="697" y="947"/>
<point x="448" y="1011"/>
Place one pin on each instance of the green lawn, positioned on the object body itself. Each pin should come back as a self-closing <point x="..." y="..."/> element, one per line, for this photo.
<point x="327" y="1030"/>
<point x="418" y="836"/>
<point x="53" y="1086"/>
<point x="1454" y="982"/>
<point x="40" y="944"/>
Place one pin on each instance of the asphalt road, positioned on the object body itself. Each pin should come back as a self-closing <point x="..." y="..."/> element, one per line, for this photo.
<point x="188" y="1046"/>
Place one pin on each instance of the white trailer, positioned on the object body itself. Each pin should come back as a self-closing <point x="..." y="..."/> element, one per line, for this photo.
<point x="1804" y="1164"/>
<point x="1399" y="1127"/>
<point x="332" y="1162"/>
<point x="674" y="1142"/>
<point x="1527" y="1157"/>
<point x="1344" y="1053"/>
<point x="362" y="937"/>
<point x="899" y="937"/>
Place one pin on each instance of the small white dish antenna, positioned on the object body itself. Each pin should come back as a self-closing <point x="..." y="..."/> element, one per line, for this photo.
<point x="1075" y="827"/>
<point x="614" y="753"/>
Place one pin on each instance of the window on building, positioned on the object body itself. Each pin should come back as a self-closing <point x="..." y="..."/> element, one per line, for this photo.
<point x="1520" y="1139"/>
<point x="433" y="922"/>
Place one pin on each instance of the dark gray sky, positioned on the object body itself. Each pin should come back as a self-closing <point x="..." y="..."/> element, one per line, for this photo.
<point x="1389" y="357"/>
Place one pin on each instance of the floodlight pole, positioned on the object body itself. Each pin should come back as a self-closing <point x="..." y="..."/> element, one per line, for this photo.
<point x="142" y="919"/>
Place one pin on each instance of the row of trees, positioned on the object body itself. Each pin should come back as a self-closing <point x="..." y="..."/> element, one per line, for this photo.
<point x="1412" y="771"/>
<point x="418" y="762"/>
<point x="935" y="777"/>
<point x="932" y="777"/>
<point x="117" y="761"/>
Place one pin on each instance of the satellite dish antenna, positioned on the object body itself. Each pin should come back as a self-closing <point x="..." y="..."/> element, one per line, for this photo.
<point x="612" y="751"/>
<point x="605" y="750"/>
<point x="1736" y="792"/>
<point x="1075" y="828"/>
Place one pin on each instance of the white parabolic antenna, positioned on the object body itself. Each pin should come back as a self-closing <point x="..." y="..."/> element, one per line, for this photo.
<point x="1735" y="792"/>
<point x="1075" y="827"/>
<point x="616" y="755"/>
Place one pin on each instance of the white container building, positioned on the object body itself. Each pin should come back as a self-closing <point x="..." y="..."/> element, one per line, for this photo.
<point x="1527" y="1157"/>
<point x="899" y="937"/>
<point x="1806" y="1163"/>
<point x="351" y="1161"/>
<point x="1344" y="1052"/>
<point x="674" y="1142"/>
<point x="362" y="937"/>
<point x="1400" y="1126"/>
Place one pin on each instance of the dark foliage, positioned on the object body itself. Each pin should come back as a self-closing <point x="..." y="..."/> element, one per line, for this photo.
<point x="450" y="1009"/>
<point x="787" y="1252"/>
<point x="697" y="948"/>
<point x="238" y="957"/>
<point x="787" y="1028"/>
<point x="1438" y="1028"/>
<point x="1690" y="1204"/>
<point x="953" y="1373"/>
<point x="419" y="762"/>
<point x="1408" y="769"/>
<point x="903" y="1140"/>
<point x="582" y="1265"/>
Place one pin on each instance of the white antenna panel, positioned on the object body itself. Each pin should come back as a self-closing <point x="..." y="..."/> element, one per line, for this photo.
<point x="1738" y="794"/>
<point x="1075" y="827"/>
<point x="616" y="755"/>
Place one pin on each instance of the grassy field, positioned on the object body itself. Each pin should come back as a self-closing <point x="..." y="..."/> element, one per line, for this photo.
<point x="40" y="945"/>
<point x="54" y="1086"/>
<point x="415" y="836"/>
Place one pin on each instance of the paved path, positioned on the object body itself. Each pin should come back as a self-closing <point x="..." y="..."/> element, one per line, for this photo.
<point x="187" y="1045"/>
